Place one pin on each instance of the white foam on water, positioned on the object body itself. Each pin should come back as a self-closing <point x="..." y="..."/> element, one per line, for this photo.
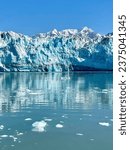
<point x="90" y="115"/>
<point x="48" y="119"/>
<point x="104" y="124"/>
<point x="59" y="126"/>
<point x="28" y="119"/>
<point x="111" y="120"/>
<point x="39" y="126"/>
<point x="79" y="134"/>
<point x="1" y="127"/>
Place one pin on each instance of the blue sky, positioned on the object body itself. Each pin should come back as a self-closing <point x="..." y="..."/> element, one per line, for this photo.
<point x="34" y="16"/>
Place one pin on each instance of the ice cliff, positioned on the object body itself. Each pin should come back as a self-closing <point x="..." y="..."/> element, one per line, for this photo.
<point x="71" y="49"/>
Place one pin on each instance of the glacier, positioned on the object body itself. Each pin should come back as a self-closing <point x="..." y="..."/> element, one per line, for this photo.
<point x="56" y="51"/>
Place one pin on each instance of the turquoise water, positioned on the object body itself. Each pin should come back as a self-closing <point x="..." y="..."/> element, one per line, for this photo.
<point x="56" y="111"/>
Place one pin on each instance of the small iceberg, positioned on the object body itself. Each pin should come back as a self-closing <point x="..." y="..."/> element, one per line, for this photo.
<point x="39" y="126"/>
<point x="59" y="126"/>
<point x="64" y="116"/>
<point x="4" y="136"/>
<point x="28" y="119"/>
<point x="104" y="124"/>
<point x="91" y="139"/>
<point x="13" y="137"/>
<point x="1" y="127"/>
<point x="20" y="133"/>
<point x="79" y="134"/>
<point x="48" y="119"/>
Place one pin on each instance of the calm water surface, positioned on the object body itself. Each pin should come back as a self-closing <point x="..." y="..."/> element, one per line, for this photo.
<point x="41" y="111"/>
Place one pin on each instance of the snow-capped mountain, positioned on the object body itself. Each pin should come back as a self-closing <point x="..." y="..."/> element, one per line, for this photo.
<point x="69" y="49"/>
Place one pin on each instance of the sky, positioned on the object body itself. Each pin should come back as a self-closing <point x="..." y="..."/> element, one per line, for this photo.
<point x="38" y="16"/>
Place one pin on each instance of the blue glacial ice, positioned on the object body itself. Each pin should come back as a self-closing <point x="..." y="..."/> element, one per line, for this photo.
<point x="56" y="51"/>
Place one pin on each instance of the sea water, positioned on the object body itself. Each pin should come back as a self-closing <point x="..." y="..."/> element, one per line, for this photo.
<point x="56" y="111"/>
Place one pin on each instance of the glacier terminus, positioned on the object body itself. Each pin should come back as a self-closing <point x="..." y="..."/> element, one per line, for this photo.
<point x="56" y="51"/>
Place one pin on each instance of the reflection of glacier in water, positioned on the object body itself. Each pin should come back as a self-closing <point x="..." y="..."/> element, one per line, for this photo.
<point x="52" y="111"/>
<point x="82" y="91"/>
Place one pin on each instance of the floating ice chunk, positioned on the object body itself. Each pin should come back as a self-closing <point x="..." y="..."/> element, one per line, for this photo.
<point x="91" y="139"/>
<point x="80" y="59"/>
<point x="39" y="126"/>
<point x="105" y="91"/>
<point x="28" y="119"/>
<point x="59" y="126"/>
<point x="13" y="137"/>
<point x="64" y="116"/>
<point x="79" y="134"/>
<point x="104" y="124"/>
<point x="47" y="119"/>
<point x="61" y="121"/>
<point x="1" y="127"/>
<point x="106" y="117"/>
<point x="85" y="114"/>
<point x="4" y="136"/>
<point x="19" y="133"/>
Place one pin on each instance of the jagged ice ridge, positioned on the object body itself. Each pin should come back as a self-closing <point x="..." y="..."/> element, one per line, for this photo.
<point x="70" y="49"/>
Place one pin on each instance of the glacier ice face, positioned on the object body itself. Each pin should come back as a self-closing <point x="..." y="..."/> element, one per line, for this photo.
<point x="70" y="49"/>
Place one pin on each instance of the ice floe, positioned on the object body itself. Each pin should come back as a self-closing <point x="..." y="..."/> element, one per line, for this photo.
<point x="48" y="119"/>
<point x="1" y="127"/>
<point x="59" y="126"/>
<point x="13" y="137"/>
<point x="20" y="133"/>
<point x="4" y="136"/>
<point x="91" y="139"/>
<point x="28" y="119"/>
<point x="79" y="134"/>
<point x="105" y="91"/>
<point x="106" y="117"/>
<point x="61" y="121"/>
<point x="39" y="126"/>
<point x="104" y="124"/>
<point x="64" y="116"/>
